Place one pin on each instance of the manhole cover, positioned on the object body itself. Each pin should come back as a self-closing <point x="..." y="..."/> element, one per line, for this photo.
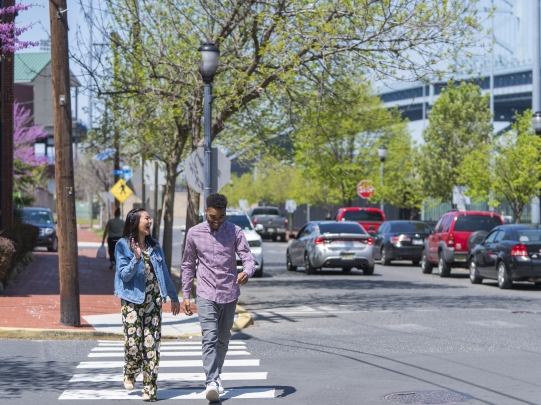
<point x="427" y="397"/>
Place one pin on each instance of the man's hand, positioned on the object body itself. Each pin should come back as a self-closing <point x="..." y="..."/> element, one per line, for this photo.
<point x="242" y="278"/>
<point x="175" y="308"/>
<point x="186" y="307"/>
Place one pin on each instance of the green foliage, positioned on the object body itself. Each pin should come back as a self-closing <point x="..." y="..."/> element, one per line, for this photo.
<point x="458" y="124"/>
<point x="508" y="166"/>
<point x="7" y="250"/>
<point x="337" y="140"/>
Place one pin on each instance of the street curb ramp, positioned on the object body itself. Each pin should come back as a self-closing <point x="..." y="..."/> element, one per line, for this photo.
<point x="243" y="320"/>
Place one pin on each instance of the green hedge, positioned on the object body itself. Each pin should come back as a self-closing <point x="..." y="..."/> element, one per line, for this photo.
<point x="7" y="251"/>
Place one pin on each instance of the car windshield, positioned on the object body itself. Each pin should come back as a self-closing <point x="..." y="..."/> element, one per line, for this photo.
<point x="529" y="235"/>
<point x="240" y="220"/>
<point x="37" y="216"/>
<point x="362" y="216"/>
<point x="409" y="227"/>
<point x="472" y="223"/>
<point x="341" y="227"/>
<point x="265" y="211"/>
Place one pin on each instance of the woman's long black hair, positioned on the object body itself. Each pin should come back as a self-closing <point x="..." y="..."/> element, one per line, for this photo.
<point x="131" y="227"/>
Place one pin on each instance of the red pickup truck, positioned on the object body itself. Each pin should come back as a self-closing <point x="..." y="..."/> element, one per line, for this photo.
<point x="369" y="218"/>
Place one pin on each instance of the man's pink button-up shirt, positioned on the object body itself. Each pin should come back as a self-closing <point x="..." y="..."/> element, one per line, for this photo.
<point x="217" y="267"/>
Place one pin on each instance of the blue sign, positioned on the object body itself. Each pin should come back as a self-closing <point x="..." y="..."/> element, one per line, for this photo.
<point x="104" y="155"/>
<point x="117" y="172"/>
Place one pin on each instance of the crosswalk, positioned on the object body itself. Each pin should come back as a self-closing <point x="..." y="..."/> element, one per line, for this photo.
<point x="101" y="376"/>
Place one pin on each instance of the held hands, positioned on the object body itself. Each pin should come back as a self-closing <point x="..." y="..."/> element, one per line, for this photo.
<point x="175" y="308"/>
<point x="186" y="307"/>
<point x="242" y="278"/>
<point x="136" y="248"/>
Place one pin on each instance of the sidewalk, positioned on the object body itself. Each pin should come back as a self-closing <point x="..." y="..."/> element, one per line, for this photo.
<point x="31" y="306"/>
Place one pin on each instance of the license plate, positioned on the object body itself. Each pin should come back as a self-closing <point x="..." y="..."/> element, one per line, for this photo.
<point x="348" y="256"/>
<point x="417" y="242"/>
<point x="270" y="229"/>
<point x="460" y="258"/>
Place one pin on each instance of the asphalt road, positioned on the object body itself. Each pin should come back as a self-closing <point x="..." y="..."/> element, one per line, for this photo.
<point x="332" y="338"/>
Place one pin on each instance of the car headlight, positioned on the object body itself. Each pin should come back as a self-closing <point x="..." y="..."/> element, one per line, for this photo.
<point x="254" y="243"/>
<point x="48" y="231"/>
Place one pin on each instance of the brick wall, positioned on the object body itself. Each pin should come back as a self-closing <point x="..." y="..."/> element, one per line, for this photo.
<point x="6" y="136"/>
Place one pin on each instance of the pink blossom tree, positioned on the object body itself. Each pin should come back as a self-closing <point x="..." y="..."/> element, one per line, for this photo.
<point x="9" y="31"/>
<point x="25" y="135"/>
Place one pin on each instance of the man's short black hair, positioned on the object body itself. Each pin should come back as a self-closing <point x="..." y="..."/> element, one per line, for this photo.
<point x="216" y="200"/>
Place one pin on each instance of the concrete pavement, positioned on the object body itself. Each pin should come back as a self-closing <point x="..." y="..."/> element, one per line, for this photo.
<point x="31" y="306"/>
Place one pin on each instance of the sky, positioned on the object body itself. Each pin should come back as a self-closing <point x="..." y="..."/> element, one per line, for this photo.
<point x="38" y="15"/>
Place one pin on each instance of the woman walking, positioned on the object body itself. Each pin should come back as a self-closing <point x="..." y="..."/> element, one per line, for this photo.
<point x="142" y="282"/>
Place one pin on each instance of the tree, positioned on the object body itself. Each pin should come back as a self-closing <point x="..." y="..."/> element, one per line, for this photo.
<point x="10" y="31"/>
<point x="509" y="166"/>
<point x="266" y="47"/>
<point x="28" y="169"/>
<point x="338" y="137"/>
<point x="458" y="123"/>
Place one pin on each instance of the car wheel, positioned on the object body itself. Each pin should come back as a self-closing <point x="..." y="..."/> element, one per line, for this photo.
<point x="308" y="266"/>
<point x="503" y="278"/>
<point x="55" y="246"/>
<point x="474" y="274"/>
<point x="274" y="238"/>
<point x="415" y="262"/>
<point x="346" y="269"/>
<point x="289" y="264"/>
<point x="426" y="266"/>
<point x="368" y="271"/>
<point x="384" y="260"/>
<point x="443" y="268"/>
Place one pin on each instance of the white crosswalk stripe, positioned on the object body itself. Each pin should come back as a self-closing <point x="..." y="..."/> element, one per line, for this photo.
<point x="103" y="380"/>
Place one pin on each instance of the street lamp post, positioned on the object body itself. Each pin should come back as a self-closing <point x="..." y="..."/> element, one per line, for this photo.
<point x="210" y="55"/>
<point x="536" y="121"/>
<point x="382" y="153"/>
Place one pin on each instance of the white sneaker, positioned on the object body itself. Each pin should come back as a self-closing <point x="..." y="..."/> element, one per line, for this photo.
<point x="212" y="392"/>
<point x="220" y="386"/>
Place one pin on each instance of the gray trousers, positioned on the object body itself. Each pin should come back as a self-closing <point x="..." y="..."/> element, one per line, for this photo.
<point x="216" y="321"/>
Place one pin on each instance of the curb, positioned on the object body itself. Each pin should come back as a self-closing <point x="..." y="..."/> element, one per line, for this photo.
<point x="244" y="319"/>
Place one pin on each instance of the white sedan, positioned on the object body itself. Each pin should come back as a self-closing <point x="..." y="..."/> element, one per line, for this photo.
<point x="242" y="220"/>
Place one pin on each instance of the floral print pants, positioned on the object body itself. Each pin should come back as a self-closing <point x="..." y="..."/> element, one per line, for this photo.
<point x="142" y="334"/>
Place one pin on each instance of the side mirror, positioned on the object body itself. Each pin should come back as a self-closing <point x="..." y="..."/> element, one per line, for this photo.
<point x="259" y="228"/>
<point x="182" y="228"/>
<point x="291" y="236"/>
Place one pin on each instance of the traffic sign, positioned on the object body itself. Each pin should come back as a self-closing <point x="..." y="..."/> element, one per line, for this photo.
<point x="291" y="206"/>
<point x="459" y="196"/>
<point x="365" y="189"/>
<point x="194" y="170"/>
<point x="121" y="191"/>
<point x="243" y="204"/>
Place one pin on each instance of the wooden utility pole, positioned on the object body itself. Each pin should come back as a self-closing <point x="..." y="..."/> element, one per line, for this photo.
<point x="65" y="187"/>
<point x="116" y="136"/>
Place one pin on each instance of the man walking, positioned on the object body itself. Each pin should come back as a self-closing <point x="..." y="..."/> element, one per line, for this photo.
<point x="214" y="243"/>
<point x="114" y="228"/>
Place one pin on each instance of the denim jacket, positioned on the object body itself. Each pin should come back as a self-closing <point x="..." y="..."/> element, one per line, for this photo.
<point x="130" y="279"/>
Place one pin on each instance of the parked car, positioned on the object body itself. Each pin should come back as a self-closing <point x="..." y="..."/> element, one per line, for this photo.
<point x="269" y="222"/>
<point x="508" y="253"/>
<point x="369" y="218"/>
<point x="43" y="219"/>
<point x="454" y="236"/>
<point x="241" y="219"/>
<point x="331" y="244"/>
<point x="400" y="240"/>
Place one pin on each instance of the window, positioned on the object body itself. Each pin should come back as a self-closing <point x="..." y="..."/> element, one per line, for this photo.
<point x="341" y="227"/>
<point x="499" y="236"/>
<point x="438" y="225"/>
<point x="472" y="223"/>
<point x="490" y="238"/>
<point x="447" y="225"/>
<point x="240" y="220"/>
<point x="362" y="215"/>
<point x="308" y="230"/>
<point x="417" y="227"/>
<point x="529" y="235"/>
<point x="37" y="216"/>
<point x="266" y="211"/>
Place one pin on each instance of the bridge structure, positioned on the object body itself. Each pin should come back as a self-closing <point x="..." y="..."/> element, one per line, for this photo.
<point x="505" y="72"/>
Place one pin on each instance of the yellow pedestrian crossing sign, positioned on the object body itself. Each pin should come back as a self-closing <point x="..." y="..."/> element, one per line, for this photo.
<point x="121" y="191"/>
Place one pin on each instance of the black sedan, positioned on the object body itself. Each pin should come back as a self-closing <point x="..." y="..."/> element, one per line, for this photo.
<point x="508" y="253"/>
<point x="400" y="240"/>
<point x="43" y="219"/>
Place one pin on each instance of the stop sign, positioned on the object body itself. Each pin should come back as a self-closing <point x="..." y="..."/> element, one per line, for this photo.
<point x="365" y="189"/>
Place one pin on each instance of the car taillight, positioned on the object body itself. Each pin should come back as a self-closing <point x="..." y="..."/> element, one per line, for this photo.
<point x="401" y="238"/>
<point x="519" y="250"/>
<point x="286" y="223"/>
<point x="451" y="240"/>
<point x="255" y="221"/>
<point x="319" y="241"/>
<point x="368" y="241"/>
